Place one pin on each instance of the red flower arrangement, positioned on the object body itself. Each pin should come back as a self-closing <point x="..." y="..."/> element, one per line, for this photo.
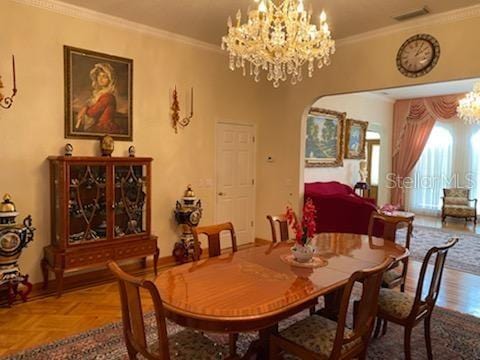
<point x="305" y="230"/>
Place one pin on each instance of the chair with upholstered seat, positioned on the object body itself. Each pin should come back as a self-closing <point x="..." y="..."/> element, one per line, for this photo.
<point x="186" y="344"/>
<point x="213" y="233"/>
<point x="283" y="231"/>
<point x="283" y="227"/>
<point x="386" y="226"/>
<point x="457" y="203"/>
<point x="408" y="311"/>
<point x="317" y="337"/>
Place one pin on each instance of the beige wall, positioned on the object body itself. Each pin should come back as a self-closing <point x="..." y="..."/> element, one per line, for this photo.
<point x="33" y="128"/>
<point x="357" y="66"/>
<point x="375" y="109"/>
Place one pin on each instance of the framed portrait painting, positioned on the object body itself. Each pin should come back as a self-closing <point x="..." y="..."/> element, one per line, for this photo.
<point x="324" y="138"/>
<point x="98" y="95"/>
<point x="355" y="139"/>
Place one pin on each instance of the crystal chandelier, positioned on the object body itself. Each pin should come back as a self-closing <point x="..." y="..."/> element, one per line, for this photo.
<point x="280" y="40"/>
<point x="469" y="107"/>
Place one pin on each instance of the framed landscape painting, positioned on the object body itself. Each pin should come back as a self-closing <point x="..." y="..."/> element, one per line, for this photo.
<point x="324" y="138"/>
<point x="98" y="95"/>
<point x="355" y="136"/>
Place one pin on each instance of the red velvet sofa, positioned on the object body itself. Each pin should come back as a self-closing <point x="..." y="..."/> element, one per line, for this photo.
<point x="339" y="209"/>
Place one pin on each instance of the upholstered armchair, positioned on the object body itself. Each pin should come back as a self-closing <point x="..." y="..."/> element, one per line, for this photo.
<point x="457" y="203"/>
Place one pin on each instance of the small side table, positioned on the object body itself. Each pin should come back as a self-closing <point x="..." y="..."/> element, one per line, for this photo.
<point x="398" y="213"/>
<point x="363" y="189"/>
<point x="407" y="215"/>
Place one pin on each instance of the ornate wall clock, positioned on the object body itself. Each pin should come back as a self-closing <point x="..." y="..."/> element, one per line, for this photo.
<point x="418" y="55"/>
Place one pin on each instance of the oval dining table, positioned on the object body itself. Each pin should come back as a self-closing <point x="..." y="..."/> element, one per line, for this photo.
<point x="255" y="288"/>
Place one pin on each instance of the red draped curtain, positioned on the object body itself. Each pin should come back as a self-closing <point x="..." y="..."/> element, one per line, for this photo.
<point x="413" y="121"/>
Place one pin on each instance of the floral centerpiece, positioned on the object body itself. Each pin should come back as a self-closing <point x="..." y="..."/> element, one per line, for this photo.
<point x="304" y="231"/>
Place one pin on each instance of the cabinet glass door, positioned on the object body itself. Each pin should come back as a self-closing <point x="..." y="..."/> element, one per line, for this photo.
<point x="87" y="204"/>
<point x="130" y="200"/>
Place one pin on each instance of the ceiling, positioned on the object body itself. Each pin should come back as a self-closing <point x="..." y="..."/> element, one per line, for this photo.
<point x="437" y="89"/>
<point x="205" y="20"/>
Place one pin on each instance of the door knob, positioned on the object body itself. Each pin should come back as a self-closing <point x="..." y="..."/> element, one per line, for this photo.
<point x="221" y="193"/>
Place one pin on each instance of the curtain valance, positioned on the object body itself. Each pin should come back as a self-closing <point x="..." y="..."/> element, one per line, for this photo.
<point x="413" y="121"/>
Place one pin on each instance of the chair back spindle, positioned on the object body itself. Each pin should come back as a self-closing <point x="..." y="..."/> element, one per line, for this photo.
<point x="440" y="255"/>
<point x="132" y="315"/>
<point x="366" y="308"/>
<point x="213" y="233"/>
<point x="283" y="227"/>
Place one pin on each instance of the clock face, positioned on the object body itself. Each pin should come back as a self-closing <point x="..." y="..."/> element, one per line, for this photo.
<point x="195" y="217"/>
<point x="9" y="242"/>
<point x="418" y="55"/>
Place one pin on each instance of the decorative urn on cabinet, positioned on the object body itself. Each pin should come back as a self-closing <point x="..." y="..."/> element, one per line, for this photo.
<point x="13" y="239"/>
<point x="188" y="212"/>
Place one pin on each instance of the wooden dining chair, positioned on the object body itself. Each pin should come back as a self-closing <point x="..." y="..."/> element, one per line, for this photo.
<point x="386" y="227"/>
<point x="165" y="348"/>
<point x="283" y="227"/>
<point x="213" y="235"/>
<point x="408" y="311"/>
<point x="317" y="337"/>
<point x="214" y="249"/>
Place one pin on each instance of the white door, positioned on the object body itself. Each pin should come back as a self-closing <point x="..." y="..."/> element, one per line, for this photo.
<point x="235" y="183"/>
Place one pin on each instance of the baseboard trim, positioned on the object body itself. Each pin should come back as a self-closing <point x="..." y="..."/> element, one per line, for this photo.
<point x="260" y="241"/>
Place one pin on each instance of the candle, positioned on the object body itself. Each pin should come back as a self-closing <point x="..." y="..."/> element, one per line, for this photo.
<point x="14" y="78"/>
<point x="191" y="102"/>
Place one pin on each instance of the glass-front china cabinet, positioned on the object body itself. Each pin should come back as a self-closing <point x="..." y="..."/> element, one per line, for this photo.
<point x="100" y="211"/>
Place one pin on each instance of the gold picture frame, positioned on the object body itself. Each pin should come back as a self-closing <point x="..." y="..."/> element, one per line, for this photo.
<point x="324" y="137"/>
<point x="355" y="139"/>
<point x="98" y="95"/>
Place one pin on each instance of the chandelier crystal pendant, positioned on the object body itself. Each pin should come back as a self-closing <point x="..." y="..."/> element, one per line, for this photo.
<point x="280" y="40"/>
<point x="469" y="107"/>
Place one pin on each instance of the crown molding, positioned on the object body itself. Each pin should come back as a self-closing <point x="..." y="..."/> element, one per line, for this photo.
<point x="434" y="19"/>
<point x="97" y="17"/>
<point x="94" y="16"/>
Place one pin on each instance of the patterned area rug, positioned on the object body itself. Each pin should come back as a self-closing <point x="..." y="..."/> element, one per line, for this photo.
<point x="454" y="336"/>
<point x="464" y="256"/>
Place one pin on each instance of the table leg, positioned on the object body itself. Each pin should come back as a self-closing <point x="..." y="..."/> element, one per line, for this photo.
<point x="259" y="349"/>
<point x="155" y="261"/>
<point x="10" y="294"/>
<point x="27" y="288"/>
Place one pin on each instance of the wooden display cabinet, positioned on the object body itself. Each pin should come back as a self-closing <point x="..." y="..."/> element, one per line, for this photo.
<point x="100" y="211"/>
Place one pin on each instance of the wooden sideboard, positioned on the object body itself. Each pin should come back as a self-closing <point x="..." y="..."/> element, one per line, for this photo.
<point x="100" y="210"/>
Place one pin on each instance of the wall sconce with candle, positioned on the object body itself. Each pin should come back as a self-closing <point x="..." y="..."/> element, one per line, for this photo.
<point x="6" y="102"/>
<point x="176" y="121"/>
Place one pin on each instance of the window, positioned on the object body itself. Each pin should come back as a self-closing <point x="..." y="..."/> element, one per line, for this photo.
<point x="373" y="157"/>
<point x="433" y="172"/>
<point x="375" y="164"/>
<point x="373" y="135"/>
<point x="474" y="176"/>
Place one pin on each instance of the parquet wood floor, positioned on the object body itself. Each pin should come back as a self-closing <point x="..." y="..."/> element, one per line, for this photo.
<point x="44" y="320"/>
<point x="48" y="319"/>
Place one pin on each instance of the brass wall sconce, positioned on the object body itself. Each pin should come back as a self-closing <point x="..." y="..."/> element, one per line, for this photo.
<point x="176" y="121"/>
<point x="6" y="102"/>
